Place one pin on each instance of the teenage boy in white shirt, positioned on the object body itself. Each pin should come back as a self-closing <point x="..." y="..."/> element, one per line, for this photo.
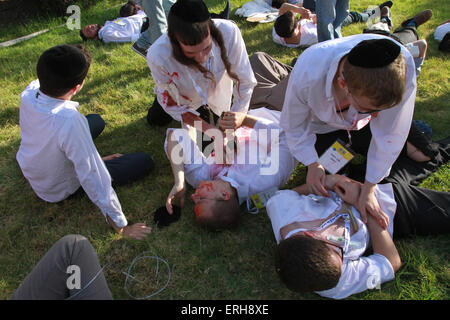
<point x="341" y="86"/>
<point x="57" y="154"/>
<point x="322" y="241"/>
<point x="290" y="32"/>
<point x="127" y="28"/>
<point x="262" y="161"/>
<point x="272" y="76"/>
<point x="200" y="64"/>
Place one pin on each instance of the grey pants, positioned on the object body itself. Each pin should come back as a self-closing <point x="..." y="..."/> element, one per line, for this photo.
<point x="272" y="78"/>
<point x="50" y="279"/>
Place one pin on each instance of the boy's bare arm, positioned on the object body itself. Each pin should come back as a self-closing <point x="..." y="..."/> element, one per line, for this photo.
<point x="303" y="189"/>
<point x="306" y="189"/>
<point x="305" y="13"/>
<point x="175" y="154"/>
<point x="382" y="243"/>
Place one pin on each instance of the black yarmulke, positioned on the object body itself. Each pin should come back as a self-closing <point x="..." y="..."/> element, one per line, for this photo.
<point x="375" y="53"/>
<point x="191" y="11"/>
<point x="162" y="218"/>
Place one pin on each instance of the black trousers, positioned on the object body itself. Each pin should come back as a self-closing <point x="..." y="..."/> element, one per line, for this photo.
<point x="419" y="211"/>
<point x="127" y="168"/>
<point x="156" y="116"/>
<point x="361" y="141"/>
<point x="404" y="35"/>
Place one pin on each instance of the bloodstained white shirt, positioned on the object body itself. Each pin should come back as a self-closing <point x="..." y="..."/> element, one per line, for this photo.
<point x="309" y="107"/>
<point x="57" y="154"/>
<point x="189" y="88"/>
<point x="253" y="170"/>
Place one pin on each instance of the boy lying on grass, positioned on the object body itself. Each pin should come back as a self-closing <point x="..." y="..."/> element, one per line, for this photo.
<point x="262" y="161"/>
<point x="321" y="241"/>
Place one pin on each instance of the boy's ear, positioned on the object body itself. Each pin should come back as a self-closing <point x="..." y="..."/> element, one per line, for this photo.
<point x="341" y="82"/>
<point x="77" y="88"/>
<point x="226" y="195"/>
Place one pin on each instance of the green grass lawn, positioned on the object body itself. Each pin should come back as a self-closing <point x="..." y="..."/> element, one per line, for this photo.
<point x="233" y="264"/>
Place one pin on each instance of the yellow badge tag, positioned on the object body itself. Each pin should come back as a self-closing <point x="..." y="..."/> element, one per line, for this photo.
<point x="257" y="201"/>
<point x="336" y="157"/>
<point x="260" y="199"/>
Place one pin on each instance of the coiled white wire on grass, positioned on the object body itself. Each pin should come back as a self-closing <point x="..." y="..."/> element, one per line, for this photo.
<point x="144" y="255"/>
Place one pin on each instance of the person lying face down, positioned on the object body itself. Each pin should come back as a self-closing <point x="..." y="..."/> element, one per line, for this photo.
<point x="262" y="161"/>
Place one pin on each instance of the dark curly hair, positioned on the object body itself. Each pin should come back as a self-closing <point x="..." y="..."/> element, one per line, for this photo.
<point x="304" y="265"/>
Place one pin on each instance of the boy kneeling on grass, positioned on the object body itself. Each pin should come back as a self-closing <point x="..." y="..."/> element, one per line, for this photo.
<point x="57" y="154"/>
<point x="321" y="241"/>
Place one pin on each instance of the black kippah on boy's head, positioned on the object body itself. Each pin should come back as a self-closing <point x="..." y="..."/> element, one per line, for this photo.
<point x="191" y="11"/>
<point x="163" y="219"/>
<point x="375" y="53"/>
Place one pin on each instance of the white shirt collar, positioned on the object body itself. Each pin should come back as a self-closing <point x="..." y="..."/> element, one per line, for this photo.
<point x="331" y="73"/>
<point x="47" y="101"/>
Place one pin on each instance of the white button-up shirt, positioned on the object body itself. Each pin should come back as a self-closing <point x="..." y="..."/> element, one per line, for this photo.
<point x="57" y="153"/>
<point x="309" y="108"/>
<point x="189" y="88"/>
<point x="126" y="29"/>
<point x="253" y="170"/>
<point x="358" y="272"/>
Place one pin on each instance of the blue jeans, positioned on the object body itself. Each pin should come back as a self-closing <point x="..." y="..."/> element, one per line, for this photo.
<point x="157" y="12"/>
<point x="330" y="16"/>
